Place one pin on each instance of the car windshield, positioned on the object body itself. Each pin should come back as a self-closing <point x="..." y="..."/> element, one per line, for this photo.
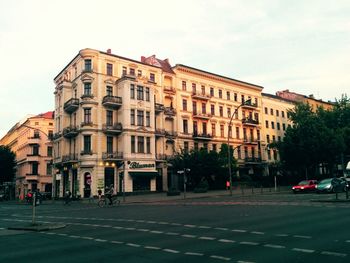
<point x="304" y="183"/>
<point x="326" y="181"/>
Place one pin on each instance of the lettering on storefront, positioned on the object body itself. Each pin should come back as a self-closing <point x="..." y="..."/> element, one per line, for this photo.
<point x="136" y="165"/>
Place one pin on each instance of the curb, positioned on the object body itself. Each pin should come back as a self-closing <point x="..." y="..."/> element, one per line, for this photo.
<point x="38" y="227"/>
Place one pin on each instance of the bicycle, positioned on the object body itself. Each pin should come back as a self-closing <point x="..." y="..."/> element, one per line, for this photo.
<point x="105" y="201"/>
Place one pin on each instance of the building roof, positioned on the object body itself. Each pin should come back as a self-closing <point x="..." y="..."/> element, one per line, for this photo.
<point x="163" y="64"/>
<point x="46" y="115"/>
<point x="277" y="97"/>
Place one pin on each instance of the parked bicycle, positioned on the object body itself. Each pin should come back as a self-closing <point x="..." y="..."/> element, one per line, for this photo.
<point x="103" y="202"/>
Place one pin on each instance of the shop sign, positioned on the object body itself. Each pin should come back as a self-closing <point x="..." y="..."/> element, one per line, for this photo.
<point x="137" y="165"/>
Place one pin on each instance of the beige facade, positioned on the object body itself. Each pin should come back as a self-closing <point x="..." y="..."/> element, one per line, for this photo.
<point x="30" y="140"/>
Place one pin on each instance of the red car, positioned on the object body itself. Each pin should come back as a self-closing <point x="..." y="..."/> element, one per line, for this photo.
<point x="305" y="186"/>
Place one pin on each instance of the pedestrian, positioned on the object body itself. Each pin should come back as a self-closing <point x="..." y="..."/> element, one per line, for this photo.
<point x="108" y="193"/>
<point x="99" y="194"/>
<point x="227" y="185"/>
<point x="67" y="197"/>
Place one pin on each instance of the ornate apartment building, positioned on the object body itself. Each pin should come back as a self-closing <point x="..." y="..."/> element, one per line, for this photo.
<point x="30" y="140"/>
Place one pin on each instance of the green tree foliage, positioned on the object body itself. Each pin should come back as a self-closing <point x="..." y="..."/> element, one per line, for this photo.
<point x="316" y="137"/>
<point x="7" y="164"/>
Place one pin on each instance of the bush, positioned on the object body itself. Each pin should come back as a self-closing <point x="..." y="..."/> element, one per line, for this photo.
<point x="173" y="191"/>
<point x="202" y="187"/>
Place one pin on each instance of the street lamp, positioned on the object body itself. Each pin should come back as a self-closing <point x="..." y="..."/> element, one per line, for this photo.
<point x="185" y="178"/>
<point x="228" y="141"/>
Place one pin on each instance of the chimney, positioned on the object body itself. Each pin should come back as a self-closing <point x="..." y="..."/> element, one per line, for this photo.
<point x="109" y="51"/>
<point x="143" y="59"/>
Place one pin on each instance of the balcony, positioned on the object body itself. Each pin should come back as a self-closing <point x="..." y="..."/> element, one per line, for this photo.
<point x="56" y="136"/>
<point x="87" y="123"/>
<point x="32" y="177"/>
<point x="70" y="158"/>
<point x="169" y="90"/>
<point x="170" y="134"/>
<point x="159" y="132"/>
<point x="200" y="96"/>
<point x="87" y="96"/>
<point x="252" y="160"/>
<point x="201" y="136"/>
<point x="129" y="76"/>
<point x="116" y="128"/>
<point x="87" y="70"/>
<point x="162" y="157"/>
<point x="34" y="140"/>
<point x="204" y="116"/>
<point x="158" y="108"/>
<point x="250" y="122"/>
<point x="71" y="105"/>
<point x="112" y="156"/>
<point x="169" y="111"/>
<point x="86" y="152"/>
<point x="70" y="132"/>
<point x="33" y="157"/>
<point x="251" y="141"/>
<point x="249" y="105"/>
<point x="112" y="101"/>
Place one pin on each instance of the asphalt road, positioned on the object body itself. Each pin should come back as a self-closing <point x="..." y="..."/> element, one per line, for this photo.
<point x="259" y="228"/>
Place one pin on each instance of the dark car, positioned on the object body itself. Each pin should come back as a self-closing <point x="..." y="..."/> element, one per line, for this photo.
<point x="331" y="185"/>
<point x="305" y="186"/>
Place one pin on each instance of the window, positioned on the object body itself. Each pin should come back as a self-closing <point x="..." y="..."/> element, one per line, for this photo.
<point x="229" y="112"/>
<point x="203" y="90"/>
<point x="184" y="105"/>
<point x="278" y="125"/>
<point x="268" y="138"/>
<point x="267" y="124"/>
<point x="87" y="144"/>
<point x="35" y="168"/>
<point x="193" y="87"/>
<point x="195" y="128"/>
<point x="220" y="93"/>
<point x="184" y="88"/>
<point x="35" y="150"/>
<point x="48" y="169"/>
<point x="283" y="126"/>
<point x="185" y="126"/>
<point x="277" y="113"/>
<point x="214" y="147"/>
<point x="282" y="112"/>
<point x="139" y="92"/>
<point x="132" y="144"/>
<point x="109" y="144"/>
<point x="50" y="135"/>
<point x="109" y="91"/>
<point x="204" y="108"/>
<point x="109" y="117"/>
<point x="148" y="144"/>
<point x="140" y="118"/>
<point x="235" y="96"/>
<point x="230" y="131"/>
<point x="132" y="91"/>
<point x="109" y="69"/>
<point x="237" y="133"/>
<point x="256" y="101"/>
<point x="272" y="125"/>
<point x="194" y="107"/>
<point x="139" y="73"/>
<point x="239" y="152"/>
<point x="228" y="95"/>
<point x="279" y="138"/>
<point x="87" y="115"/>
<point x="36" y="134"/>
<point x="140" y="144"/>
<point x="213" y="129"/>
<point x="242" y="99"/>
<point x="222" y="134"/>
<point x="87" y="88"/>
<point x="87" y="65"/>
<point x="269" y="154"/>
<point x="124" y="71"/>
<point x="132" y="117"/>
<point x="212" y="109"/>
<point x="152" y="77"/>
<point x="147" y="94"/>
<point x="245" y="134"/>
<point x="132" y="71"/>
<point x="148" y="119"/>
<point x="271" y="111"/>
<point x="221" y="111"/>
<point x="211" y="92"/>
<point x="204" y="128"/>
<point x="246" y="152"/>
<point x="258" y="135"/>
<point x="266" y="111"/>
<point x="196" y="146"/>
<point x="186" y="146"/>
<point x="49" y="151"/>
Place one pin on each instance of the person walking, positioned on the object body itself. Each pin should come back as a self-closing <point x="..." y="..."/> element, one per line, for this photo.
<point x="108" y="193"/>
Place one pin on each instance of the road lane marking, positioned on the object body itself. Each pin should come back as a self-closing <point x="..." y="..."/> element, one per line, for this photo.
<point x="281" y="235"/>
<point x="100" y="240"/>
<point x="207" y="238"/>
<point x="171" y="251"/>
<point x="62" y="234"/>
<point x="239" y="230"/>
<point x="298" y="236"/>
<point x="116" y="242"/>
<point x="221" y="228"/>
<point x="221" y="258"/>
<point x="189" y="236"/>
<point x="194" y="254"/>
<point x="226" y="241"/>
<point x="88" y="238"/>
<point x="130" y="228"/>
<point x="172" y="233"/>
<point x="274" y="246"/>
<point x="240" y="261"/>
<point x="118" y="227"/>
<point x="133" y="245"/>
<point x="163" y="223"/>
<point x="303" y="250"/>
<point x="72" y="236"/>
<point x="249" y="243"/>
<point x="257" y="233"/>
<point x="156" y="232"/>
<point x="333" y="254"/>
<point x="175" y="224"/>
<point x="204" y="227"/>
<point x="143" y="230"/>
<point x="153" y="248"/>
<point x="191" y="226"/>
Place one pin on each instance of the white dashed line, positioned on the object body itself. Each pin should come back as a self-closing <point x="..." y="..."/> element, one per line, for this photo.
<point x="117" y="242"/>
<point x="132" y="245"/>
<point x="221" y="228"/>
<point x="143" y="230"/>
<point x="118" y="227"/>
<point x="207" y="238"/>
<point x="239" y="230"/>
<point x="163" y="223"/>
<point x="100" y="240"/>
<point x="257" y="233"/>
<point x="274" y="246"/>
<point x="189" y="236"/>
<point x="303" y="250"/>
<point x="249" y="243"/>
<point x="221" y="258"/>
<point x="175" y="224"/>
<point x="74" y="236"/>
<point x="156" y="232"/>
<point x="172" y="234"/>
<point x="171" y="251"/>
<point x="347" y="241"/>
<point x="226" y="241"/>
<point x="192" y="226"/>
<point x="153" y="248"/>
<point x="151" y="222"/>
<point x="333" y="254"/>
<point x="240" y="261"/>
<point x="298" y="236"/>
<point x="194" y="254"/>
<point x="62" y="234"/>
<point x="88" y="238"/>
<point x="204" y="227"/>
<point x="281" y="235"/>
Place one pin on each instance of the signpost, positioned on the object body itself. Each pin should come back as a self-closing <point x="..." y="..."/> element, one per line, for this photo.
<point x="185" y="178"/>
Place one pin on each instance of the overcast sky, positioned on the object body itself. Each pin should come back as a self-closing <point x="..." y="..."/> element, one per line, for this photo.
<point x="303" y="46"/>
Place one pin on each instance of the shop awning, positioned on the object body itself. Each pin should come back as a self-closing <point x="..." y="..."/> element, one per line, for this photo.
<point x="145" y="174"/>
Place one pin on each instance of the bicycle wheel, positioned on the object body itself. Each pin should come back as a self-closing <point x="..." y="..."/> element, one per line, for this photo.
<point x="102" y="203"/>
<point x="116" y="202"/>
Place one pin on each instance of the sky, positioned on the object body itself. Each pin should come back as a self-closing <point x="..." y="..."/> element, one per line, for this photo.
<point x="303" y="46"/>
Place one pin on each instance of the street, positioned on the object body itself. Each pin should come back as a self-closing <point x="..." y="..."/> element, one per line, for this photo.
<point x="252" y="228"/>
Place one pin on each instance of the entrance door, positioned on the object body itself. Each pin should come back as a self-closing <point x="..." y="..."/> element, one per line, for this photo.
<point x="109" y="176"/>
<point x="159" y="181"/>
<point x="87" y="185"/>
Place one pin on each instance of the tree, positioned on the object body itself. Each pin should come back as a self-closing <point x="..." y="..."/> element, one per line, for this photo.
<point x="7" y="164"/>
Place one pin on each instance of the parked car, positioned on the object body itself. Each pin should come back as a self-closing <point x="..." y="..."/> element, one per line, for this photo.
<point x="331" y="185"/>
<point x="305" y="186"/>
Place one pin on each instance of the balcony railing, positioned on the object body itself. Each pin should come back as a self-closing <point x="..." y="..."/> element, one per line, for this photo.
<point x="252" y="160"/>
<point x="115" y="128"/>
<point x="112" y="101"/>
<point x="71" y="105"/>
<point x="164" y="157"/>
<point x="73" y="157"/>
<point x="86" y="152"/>
<point x="249" y="104"/>
<point x="56" y="136"/>
<point x="32" y="177"/>
<point x="70" y="131"/>
<point x="250" y="141"/>
<point x="158" y="107"/>
<point x="87" y="123"/>
<point x="87" y="96"/>
<point x="200" y="96"/>
<point x="198" y="115"/>
<point x="169" y="111"/>
<point x="112" y="155"/>
<point x="202" y="136"/>
<point x="170" y="134"/>
<point x="169" y="89"/>
<point x="160" y="132"/>
<point x="249" y="121"/>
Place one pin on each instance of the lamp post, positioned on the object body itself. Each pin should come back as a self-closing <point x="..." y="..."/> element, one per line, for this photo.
<point x="228" y="142"/>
